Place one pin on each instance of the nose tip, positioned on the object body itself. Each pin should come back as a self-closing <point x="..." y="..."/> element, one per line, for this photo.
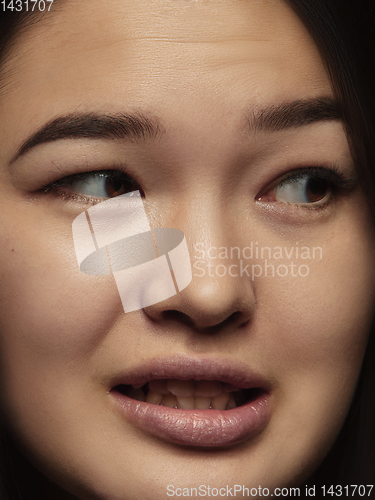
<point x="208" y="305"/>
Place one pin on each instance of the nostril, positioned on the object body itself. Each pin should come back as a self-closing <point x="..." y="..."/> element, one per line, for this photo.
<point x="233" y="319"/>
<point x="179" y="316"/>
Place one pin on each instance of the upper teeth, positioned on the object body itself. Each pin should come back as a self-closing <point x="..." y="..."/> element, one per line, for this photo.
<point x="187" y="394"/>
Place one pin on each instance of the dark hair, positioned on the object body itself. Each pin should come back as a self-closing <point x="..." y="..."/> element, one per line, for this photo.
<point x="343" y="32"/>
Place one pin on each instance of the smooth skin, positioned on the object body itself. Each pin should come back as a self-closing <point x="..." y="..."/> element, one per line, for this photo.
<point x="201" y="68"/>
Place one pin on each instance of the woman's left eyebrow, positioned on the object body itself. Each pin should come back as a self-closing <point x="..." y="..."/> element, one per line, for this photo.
<point x="96" y="126"/>
<point x="295" y="114"/>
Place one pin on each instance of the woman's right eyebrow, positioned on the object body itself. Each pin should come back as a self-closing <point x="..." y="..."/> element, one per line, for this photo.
<point x="136" y="126"/>
<point x="93" y="125"/>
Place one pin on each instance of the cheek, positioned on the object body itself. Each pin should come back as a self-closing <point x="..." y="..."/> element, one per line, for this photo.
<point x="329" y="312"/>
<point x="314" y="331"/>
<point x="51" y="315"/>
<point x="325" y="316"/>
<point x="322" y="324"/>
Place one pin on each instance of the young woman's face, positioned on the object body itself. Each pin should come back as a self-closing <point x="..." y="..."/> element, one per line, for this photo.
<point x="235" y="93"/>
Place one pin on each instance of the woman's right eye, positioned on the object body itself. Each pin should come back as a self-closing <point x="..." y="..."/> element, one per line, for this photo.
<point x="97" y="186"/>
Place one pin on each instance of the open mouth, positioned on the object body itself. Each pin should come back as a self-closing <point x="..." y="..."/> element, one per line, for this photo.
<point x="194" y="401"/>
<point x="190" y="394"/>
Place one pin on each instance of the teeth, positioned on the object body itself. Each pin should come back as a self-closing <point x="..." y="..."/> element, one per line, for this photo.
<point x="170" y="400"/>
<point x="186" y="403"/>
<point x="231" y="402"/>
<point x="208" y="388"/>
<point x="182" y="388"/>
<point x="158" y="386"/>
<point x="137" y="386"/>
<point x="154" y="397"/>
<point x="202" y="403"/>
<point x="230" y="388"/>
<point x="137" y="394"/>
<point x="188" y="394"/>
<point x="220" y="401"/>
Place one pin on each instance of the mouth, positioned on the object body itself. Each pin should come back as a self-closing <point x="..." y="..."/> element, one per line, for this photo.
<point x="190" y="394"/>
<point x="194" y="402"/>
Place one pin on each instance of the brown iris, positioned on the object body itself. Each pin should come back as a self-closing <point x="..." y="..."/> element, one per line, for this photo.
<point x="118" y="185"/>
<point x="316" y="189"/>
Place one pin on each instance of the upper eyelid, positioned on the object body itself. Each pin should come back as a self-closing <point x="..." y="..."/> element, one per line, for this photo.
<point x="58" y="185"/>
<point x="340" y="182"/>
<point x="333" y="174"/>
<point x="82" y="175"/>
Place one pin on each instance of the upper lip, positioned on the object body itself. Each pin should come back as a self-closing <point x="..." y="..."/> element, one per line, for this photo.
<point x="183" y="367"/>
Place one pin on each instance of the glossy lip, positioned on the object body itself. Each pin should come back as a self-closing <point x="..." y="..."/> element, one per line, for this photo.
<point x="206" y="428"/>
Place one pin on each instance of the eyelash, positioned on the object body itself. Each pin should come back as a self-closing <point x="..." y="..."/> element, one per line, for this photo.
<point x="337" y="179"/>
<point x="333" y="174"/>
<point x="338" y="182"/>
<point x="116" y="173"/>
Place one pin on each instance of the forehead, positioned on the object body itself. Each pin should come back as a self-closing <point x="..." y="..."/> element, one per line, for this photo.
<point x="164" y="55"/>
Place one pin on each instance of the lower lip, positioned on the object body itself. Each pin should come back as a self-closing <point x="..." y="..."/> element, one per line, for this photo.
<point x="207" y="428"/>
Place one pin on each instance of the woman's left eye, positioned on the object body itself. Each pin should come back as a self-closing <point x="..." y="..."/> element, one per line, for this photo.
<point x="311" y="186"/>
<point x="93" y="185"/>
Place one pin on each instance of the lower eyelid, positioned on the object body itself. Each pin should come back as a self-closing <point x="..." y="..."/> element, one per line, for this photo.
<point x="71" y="196"/>
<point x="293" y="215"/>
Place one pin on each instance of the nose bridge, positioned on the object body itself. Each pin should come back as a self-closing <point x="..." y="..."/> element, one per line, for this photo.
<point x="213" y="234"/>
<point x="206" y="218"/>
<point x="210" y="228"/>
<point x="218" y="290"/>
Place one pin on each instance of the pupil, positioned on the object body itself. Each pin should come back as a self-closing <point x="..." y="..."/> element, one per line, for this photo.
<point x="316" y="189"/>
<point x="114" y="187"/>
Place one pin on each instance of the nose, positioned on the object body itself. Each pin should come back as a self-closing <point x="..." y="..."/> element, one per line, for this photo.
<point x="208" y="304"/>
<point x="220" y="295"/>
